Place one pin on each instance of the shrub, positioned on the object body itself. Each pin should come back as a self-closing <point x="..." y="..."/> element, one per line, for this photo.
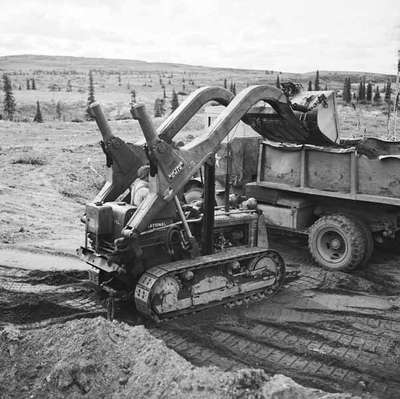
<point x="29" y="159"/>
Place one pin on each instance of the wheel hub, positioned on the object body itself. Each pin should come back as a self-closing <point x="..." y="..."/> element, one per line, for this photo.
<point x="335" y="243"/>
<point x="332" y="245"/>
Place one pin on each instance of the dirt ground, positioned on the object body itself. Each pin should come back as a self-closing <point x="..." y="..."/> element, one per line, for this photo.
<point x="331" y="331"/>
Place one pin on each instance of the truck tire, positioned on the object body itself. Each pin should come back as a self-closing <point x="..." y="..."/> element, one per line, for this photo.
<point x="337" y="242"/>
<point x="369" y="242"/>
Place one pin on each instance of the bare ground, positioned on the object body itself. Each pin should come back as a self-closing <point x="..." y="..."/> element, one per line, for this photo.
<point x="332" y="331"/>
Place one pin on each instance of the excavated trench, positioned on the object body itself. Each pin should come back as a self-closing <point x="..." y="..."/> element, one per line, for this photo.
<point x="332" y="331"/>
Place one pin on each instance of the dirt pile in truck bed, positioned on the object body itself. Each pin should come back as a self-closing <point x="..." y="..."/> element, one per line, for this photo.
<point x="95" y="358"/>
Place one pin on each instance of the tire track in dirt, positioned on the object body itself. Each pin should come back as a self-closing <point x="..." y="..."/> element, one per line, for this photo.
<point x="300" y="334"/>
<point x="34" y="299"/>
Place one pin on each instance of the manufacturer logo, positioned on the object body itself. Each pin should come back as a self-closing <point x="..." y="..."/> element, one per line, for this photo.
<point x="175" y="172"/>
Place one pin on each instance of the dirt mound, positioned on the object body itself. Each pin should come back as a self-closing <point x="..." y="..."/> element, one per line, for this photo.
<point x="94" y="358"/>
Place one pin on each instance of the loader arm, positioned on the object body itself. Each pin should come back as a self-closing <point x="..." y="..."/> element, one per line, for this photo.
<point x="125" y="159"/>
<point x="175" y="166"/>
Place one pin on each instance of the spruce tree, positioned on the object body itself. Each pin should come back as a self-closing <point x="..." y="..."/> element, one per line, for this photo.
<point x="309" y="85"/>
<point x="91" y="99"/>
<point x="369" y="92"/>
<point x="133" y="96"/>
<point x="157" y="108"/>
<point x="33" y="84"/>
<point x="377" y="95"/>
<point x="119" y="79"/>
<point x="38" y="116"/>
<point x="174" y="101"/>
<point x="278" y="83"/>
<point x="326" y="87"/>
<point x="360" y="91"/>
<point x="316" y="83"/>
<point x="28" y="84"/>
<point x="388" y="92"/>
<point x="162" y="106"/>
<point x="164" y="93"/>
<point x="58" y="110"/>
<point x="233" y="88"/>
<point x="347" y="90"/>
<point x="9" y="100"/>
<point x="69" y="86"/>
<point x="225" y="84"/>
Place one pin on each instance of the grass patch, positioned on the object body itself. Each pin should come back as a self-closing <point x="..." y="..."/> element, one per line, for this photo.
<point x="29" y="159"/>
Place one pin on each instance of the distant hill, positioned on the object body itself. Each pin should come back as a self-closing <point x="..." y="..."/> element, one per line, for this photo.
<point x="31" y="63"/>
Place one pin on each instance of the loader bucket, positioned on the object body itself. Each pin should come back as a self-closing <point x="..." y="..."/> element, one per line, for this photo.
<point x="315" y="112"/>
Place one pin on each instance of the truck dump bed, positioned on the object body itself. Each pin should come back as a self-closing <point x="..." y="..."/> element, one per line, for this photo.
<point x="363" y="170"/>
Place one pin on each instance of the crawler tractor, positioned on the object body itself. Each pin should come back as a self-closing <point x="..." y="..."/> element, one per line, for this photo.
<point x="170" y="255"/>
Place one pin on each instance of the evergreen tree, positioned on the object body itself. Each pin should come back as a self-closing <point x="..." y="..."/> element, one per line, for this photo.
<point x="119" y="79"/>
<point x="58" y="110"/>
<point x="360" y="91"/>
<point x="377" y="95"/>
<point x="347" y="91"/>
<point x="388" y="92"/>
<point x="164" y="93"/>
<point x="133" y="96"/>
<point x="278" y="83"/>
<point x="364" y="89"/>
<point x="233" y="88"/>
<point x="369" y="92"/>
<point x="33" y="85"/>
<point x="28" y="84"/>
<point x="174" y="101"/>
<point x="9" y="100"/>
<point x="69" y="86"/>
<point x="309" y="85"/>
<point x="162" y="107"/>
<point x="225" y="84"/>
<point x="38" y="116"/>
<point x="316" y="83"/>
<point x="91" y="99"/>
<point x="326" y="86"/>
<point x="157" y="108"/>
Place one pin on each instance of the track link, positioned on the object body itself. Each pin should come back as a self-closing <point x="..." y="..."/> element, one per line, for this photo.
<point x="143" y="292"/>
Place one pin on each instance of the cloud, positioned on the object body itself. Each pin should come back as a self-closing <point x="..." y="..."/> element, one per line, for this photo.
<point x="287" y="35"/>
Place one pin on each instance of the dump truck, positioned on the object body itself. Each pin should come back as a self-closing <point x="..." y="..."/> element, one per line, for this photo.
<point x="344" y="194"/>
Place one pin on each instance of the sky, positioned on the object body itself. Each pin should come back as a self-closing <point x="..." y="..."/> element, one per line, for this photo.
<point x="283" y="35"/>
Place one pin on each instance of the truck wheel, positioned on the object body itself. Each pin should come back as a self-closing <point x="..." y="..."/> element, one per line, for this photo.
<point x="337" y="242"/>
